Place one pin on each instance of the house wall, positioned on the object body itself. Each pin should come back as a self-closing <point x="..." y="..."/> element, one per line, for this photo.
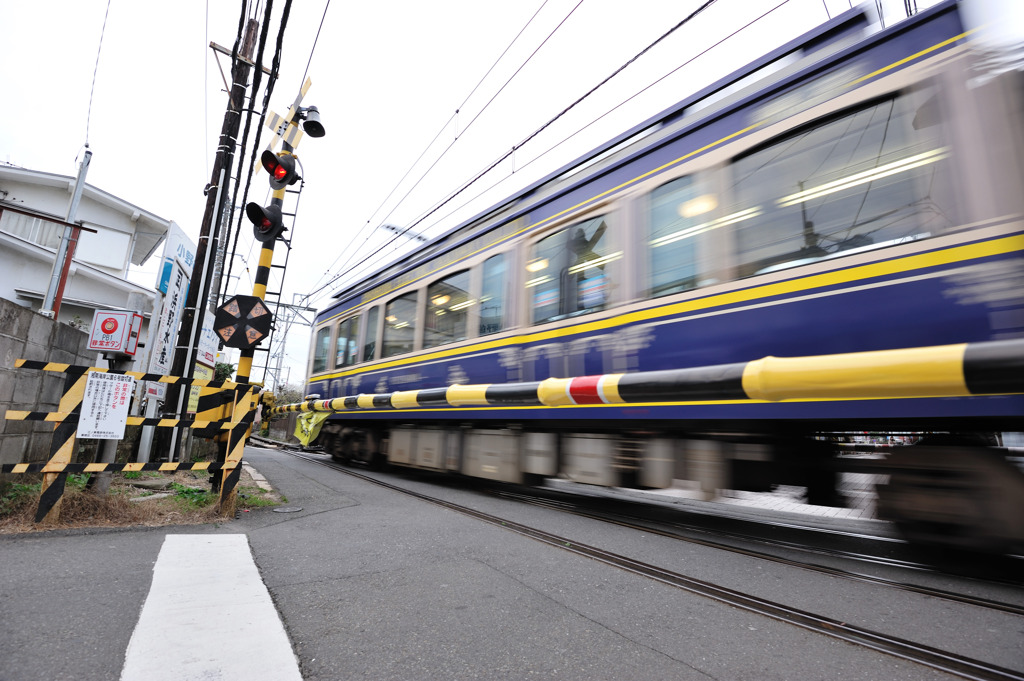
<point x="25" y="334"/>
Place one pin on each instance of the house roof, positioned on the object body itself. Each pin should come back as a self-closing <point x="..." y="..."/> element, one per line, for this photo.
<point x="150" y="229"/>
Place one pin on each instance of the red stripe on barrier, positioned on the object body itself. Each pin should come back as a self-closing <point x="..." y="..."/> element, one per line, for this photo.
<point x="584" y="390"/>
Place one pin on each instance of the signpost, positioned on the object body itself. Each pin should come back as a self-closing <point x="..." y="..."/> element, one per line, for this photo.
<point x="105" y="406"/>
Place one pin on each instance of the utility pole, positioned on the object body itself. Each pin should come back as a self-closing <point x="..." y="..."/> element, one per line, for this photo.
<point x="192" y="316"/>
<point x="66" y="250"/>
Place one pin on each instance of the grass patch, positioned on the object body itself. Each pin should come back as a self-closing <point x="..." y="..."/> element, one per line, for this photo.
<point x="251" y="496"/>
<point x="138" y="475"/>
<point x="190" y="503"/>
<point x="193" y="497"/>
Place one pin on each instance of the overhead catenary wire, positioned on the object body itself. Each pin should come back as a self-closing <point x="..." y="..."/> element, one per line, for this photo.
<point x="444" y="127"/>
<point x="478" y="176"/>
<point x="619" y="105"/>
<point x="380" y="255"/>
<point x="95" y="70"/>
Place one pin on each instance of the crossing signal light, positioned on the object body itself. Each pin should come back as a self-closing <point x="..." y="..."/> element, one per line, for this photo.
<point x="267" y="221"/>
<point x="281" y="168"/>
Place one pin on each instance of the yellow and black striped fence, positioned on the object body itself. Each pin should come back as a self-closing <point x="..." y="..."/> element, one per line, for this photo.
<point x="962" y="370"/>
<point x="226" y="411"/>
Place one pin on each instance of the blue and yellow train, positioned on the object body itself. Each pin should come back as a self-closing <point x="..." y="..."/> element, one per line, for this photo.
<point x="856" y="190"/>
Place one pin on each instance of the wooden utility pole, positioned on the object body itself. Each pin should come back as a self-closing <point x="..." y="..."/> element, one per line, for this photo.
<point x="192" y="316"/>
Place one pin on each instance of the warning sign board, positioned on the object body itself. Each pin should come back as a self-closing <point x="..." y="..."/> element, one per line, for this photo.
<point x="105" y="406"/>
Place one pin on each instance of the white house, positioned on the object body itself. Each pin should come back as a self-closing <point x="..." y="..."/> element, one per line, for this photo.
<point x="125" y="235"/>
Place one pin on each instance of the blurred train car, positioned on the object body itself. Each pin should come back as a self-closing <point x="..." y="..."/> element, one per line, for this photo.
<point x="857" y="189"/>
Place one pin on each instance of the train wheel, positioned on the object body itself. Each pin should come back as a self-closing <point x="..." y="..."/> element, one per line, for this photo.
<point x="336" y="447"/>
<point x="958" y="497"/>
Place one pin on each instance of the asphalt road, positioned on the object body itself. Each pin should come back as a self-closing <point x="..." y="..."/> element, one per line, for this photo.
<point x="371" y="584"/>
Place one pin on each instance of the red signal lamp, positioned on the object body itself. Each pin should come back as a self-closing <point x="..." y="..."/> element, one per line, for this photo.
<point x="281" y="168"/>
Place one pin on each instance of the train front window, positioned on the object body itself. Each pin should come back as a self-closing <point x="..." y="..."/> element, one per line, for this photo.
<point x="567" y="273"/>
<point x="492" y="297"/>
<point x="875" y="177"/>
<point x="321" y="346"/>
<point x="399" y="326"/>
<point x="448" y="301"/>
<point x="345" y="346"/>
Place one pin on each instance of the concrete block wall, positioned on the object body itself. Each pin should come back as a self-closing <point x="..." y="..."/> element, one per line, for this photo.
<point x="26" y="334"/>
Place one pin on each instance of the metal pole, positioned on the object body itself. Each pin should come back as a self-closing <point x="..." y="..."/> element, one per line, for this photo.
<point x="65" y="252"/>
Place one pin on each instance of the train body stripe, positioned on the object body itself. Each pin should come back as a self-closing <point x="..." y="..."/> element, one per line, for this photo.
<point x="960" y="370"/>
<point x="467" y="395"/>
<point x="844" y="276"/>
<point x="914" y="372"/>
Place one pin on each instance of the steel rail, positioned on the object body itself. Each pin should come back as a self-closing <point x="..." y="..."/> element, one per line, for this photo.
<point x="951" y="663"/>
<point x="652" y="526"/>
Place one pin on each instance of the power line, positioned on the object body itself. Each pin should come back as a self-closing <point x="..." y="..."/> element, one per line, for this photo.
<point x="95" y="69"/>
<point x="444" y="127"/>
<point x="478" y="176"/>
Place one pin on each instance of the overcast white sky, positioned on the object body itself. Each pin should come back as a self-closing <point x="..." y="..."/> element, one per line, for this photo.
<point x="387" y="78"/>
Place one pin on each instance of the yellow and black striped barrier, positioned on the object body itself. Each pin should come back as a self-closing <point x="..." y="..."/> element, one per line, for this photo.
<point x="73" y="417"/>
<point x="962" y="370"/>
<point x="226" y="407"/>
<point x="137" y="375"/>
<point x="111" y="467"/>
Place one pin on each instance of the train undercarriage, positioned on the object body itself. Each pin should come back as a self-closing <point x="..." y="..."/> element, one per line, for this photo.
<point x="954" y="491"/>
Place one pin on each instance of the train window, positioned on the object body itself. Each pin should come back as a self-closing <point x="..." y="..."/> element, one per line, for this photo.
<point x="492" y="297"/>
<point x="345" y="350"/>
<point x="320" y="349"/>
<point x="370" y="344"/>
<point x="399" y="325"/>
<point x="567" y="272"/>
<point x="678" y="213"/>
<point x="447" y="310"/>
<point x="863" y="180"/>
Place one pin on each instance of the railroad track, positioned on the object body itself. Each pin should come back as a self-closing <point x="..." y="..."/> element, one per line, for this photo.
<point x="929" y="656"/>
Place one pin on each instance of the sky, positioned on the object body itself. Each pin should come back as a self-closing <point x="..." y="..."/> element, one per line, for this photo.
<point x="387" y="78"/>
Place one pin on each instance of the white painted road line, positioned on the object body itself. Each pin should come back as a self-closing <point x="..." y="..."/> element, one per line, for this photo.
<point x="208" y="616"/>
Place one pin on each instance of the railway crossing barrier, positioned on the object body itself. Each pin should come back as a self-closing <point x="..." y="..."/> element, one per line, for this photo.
<point x="226" y="411"/>
<point x="961" y="370"/>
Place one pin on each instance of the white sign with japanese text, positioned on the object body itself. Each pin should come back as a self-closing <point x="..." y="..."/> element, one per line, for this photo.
<point x="105" y="406"/>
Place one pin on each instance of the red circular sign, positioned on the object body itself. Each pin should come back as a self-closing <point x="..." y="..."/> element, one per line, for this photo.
<point x="109" y="325"/>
